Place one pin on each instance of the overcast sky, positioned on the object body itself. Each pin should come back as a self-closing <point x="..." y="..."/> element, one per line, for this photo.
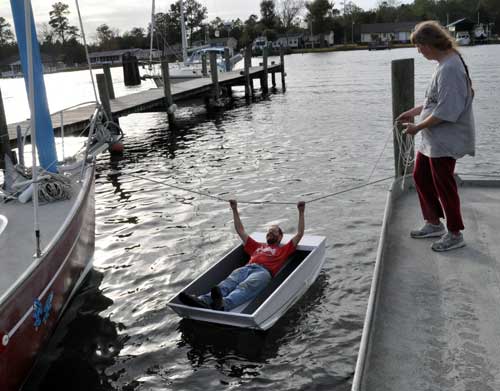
<point x="125" y="14"/>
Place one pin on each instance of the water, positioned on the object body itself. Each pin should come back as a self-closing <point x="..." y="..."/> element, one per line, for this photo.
<point x="323" y="135"/>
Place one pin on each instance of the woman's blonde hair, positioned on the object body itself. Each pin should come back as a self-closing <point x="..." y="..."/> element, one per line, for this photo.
<point x="431" y="33"/>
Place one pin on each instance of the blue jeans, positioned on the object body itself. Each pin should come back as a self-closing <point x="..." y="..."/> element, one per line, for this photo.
<point x="241" y="285"/>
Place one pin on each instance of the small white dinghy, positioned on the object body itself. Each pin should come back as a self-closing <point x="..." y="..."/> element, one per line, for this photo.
<point x="288" y="285"/>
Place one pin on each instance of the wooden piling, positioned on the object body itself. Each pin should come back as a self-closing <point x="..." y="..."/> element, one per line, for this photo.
<point x="204" y="69"/>
<point x="264" y="80"/>
<point x="131" y="76"/>
<point x="4" y="136"/>
<point x="282" y="60"/>
<point x="273" y="80"/>
<point x="215" y="75"/>
<point x="403" y="98"/>
<point x="102" y="87"/>
<point x="169" y="101"/>
<point x="227" y="59"/>
<point x="109" y="81"/>
<point x="248" y="63"/>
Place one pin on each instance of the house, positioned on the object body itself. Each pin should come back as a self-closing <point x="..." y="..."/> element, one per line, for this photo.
<point x="292" y="41"/>
<point x="13" y="67"/>
<point x="229" y="42"/>
<point x="314" y="40"/>
<point x="115" y="56"/>
<point x="259" y="43"/>
<point x="383" y="32"/>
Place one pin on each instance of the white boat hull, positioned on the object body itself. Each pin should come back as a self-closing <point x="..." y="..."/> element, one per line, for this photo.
<point x="285" y="289"/>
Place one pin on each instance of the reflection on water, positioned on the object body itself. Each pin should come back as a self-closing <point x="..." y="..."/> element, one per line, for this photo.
<point x="324" y="135"/>
<point x="84" y="344"/>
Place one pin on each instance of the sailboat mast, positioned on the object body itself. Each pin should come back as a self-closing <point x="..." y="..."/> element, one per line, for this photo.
<point x="151" y="33"/>
<point x="31" y="90"/>
<point x="183" y="33"/>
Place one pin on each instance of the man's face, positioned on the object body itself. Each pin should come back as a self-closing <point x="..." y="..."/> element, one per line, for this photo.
<point x="273" y="235"/>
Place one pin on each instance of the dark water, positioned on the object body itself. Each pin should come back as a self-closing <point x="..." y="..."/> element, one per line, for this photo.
<point x="325" y="134"/>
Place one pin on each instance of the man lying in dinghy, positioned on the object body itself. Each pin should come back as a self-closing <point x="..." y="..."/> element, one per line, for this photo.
<point x="246" y="282"/>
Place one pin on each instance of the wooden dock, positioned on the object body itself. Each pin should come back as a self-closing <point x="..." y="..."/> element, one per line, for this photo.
<point x="154" y="99"/>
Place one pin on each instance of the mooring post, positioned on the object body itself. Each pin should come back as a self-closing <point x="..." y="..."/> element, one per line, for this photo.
<point x="273" y="79"/>
<point x="248" y="62"/>
<point x="131" y="76"/>
<point x="227" y="59"/>
<point x="109" y="81"/>
<point x="403" y="98"/>
<point x="4" y="136"/>
<point x="282" y="61"/>
<point x="264" y="78"/>
<point x="169" y="101"/>
<point x="215" y="75"/>
<point x="204" y="69"/>
<point x="102" y="86"/>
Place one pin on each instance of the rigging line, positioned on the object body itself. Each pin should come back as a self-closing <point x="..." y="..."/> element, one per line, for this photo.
<point x="380" y="156"/>
<point x="350" y="189"/>
<point x="261" y="202"/>
<point x="86" y="50"/>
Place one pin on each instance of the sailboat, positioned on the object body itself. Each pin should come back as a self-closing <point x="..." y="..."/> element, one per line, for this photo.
<point x="46" y="237"/>
<point x="191" y="65"/>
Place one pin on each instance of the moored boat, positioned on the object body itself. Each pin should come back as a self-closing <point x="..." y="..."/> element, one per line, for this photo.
<point x="287" y="286"/>
<point x="47" y="244"/>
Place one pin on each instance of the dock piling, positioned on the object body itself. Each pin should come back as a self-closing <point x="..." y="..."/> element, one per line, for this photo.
<point x="131" y="75"/>
<point x="403" y="98"/>
<point x="248" y="62"/>
<point x="264" y="80"/>
<point x="109" y="81"/>
<point x="282" y="62"/>
<point x="169" y="101"/>
<point x="104" y="94"/>
<point x="227" y="59"/>
<point x="204" y="69"/>
<point x="215" y="75"/>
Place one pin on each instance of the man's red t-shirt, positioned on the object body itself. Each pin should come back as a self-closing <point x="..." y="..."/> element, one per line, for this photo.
<point x="272" y="257"/>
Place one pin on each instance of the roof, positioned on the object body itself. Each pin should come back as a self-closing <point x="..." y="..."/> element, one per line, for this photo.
<point x="120" y="52"/>
<point x="387" y="27"/>
<point x="462" y="23"/>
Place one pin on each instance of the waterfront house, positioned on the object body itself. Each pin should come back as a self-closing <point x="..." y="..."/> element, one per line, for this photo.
<point x="314" y="40"/>
<point x="115" y="56"/>
<point x="384" y="32"/>
<point x="292" y="41"/>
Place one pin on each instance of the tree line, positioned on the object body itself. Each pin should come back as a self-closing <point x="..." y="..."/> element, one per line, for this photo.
<point x="62" y="40"/>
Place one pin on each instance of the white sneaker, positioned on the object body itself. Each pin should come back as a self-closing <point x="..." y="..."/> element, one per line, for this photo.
<point x="449" y="242"/>
<point x="429" y="230"/>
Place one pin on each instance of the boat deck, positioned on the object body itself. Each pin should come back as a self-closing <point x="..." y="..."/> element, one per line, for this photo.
<point x="17" y="242"/>
<point x="436" y="319"/>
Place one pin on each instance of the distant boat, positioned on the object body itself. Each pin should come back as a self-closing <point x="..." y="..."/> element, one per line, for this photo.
<point x="46" y="248"/>
<point x="379" y="45"/>
<point x="286" y="287"/>
<point x="191" y="66"/>
<point x="463" y="38"/>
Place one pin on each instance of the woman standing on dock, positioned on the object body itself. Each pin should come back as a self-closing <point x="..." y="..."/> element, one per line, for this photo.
<point x="447" y="125"/>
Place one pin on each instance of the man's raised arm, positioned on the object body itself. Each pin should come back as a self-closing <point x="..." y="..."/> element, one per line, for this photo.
<point x="238" y="226"/>
<point x="301" y="205"/>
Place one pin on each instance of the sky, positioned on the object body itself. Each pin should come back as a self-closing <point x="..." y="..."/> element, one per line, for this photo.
<point x="125" y="14"/>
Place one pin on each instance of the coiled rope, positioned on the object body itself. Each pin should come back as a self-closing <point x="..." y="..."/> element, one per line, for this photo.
<point x="51" y="186"/>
